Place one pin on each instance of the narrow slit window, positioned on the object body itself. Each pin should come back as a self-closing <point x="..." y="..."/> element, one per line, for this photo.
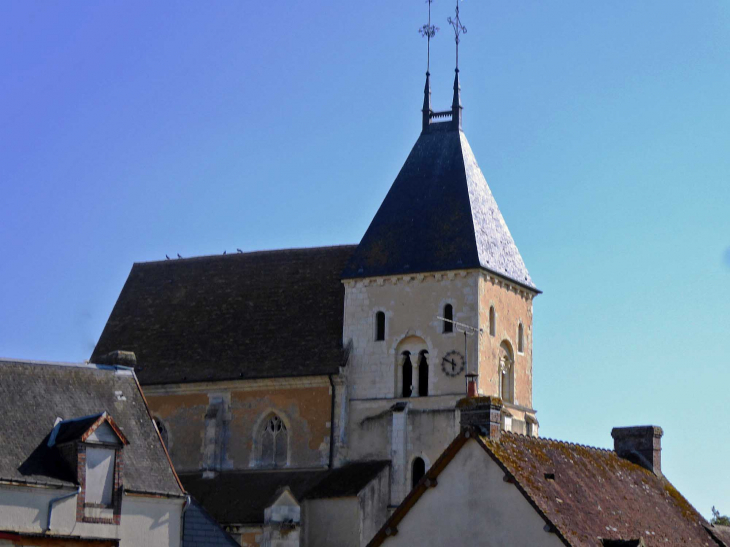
<point x="380" y="326"/>
<point x="418" y="471"/>
<point x="449" y="315"/>
<point x="521" y="339"/>
<point x="423" y="374"/>
<point x="407" y="375"/>
<point x="492" y="322"/>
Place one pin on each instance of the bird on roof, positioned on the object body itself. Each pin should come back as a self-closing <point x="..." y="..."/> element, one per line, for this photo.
<point x="239" y="250"/>
<point x="178" y="255"/>
<point x="224" y="252"/>
<point x="167" y="257"/>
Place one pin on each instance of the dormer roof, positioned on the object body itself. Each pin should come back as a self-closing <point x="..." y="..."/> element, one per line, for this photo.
<point x="95" y="428"/>
<point x="439" y="215"/>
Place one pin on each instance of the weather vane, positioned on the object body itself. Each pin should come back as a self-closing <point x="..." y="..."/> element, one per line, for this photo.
<point x="459" y="29"/>
<point x="428" y="31"/>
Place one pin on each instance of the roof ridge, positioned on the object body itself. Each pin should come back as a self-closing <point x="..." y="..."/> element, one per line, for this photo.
<point x="85" y="364"/>
<point x="550" y="439"/>
<point x="247" y="253"/>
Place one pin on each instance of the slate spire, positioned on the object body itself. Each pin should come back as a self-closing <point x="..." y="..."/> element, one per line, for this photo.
<point x="427" y="102"/>
<point x="456" y="107"/>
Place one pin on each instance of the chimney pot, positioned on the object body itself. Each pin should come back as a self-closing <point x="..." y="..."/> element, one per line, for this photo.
<point x="641" y="445"/>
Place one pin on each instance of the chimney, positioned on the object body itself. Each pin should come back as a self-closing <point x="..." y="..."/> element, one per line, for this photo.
<point x="119" y="357"/>
<point x="482" y="413"/>
<point x="641" y="445"/>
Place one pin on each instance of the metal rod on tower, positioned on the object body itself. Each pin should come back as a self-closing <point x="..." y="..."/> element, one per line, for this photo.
<point x="468" y="330"/>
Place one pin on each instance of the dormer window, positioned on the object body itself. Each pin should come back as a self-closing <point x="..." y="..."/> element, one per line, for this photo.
<point x="92" y="446"/>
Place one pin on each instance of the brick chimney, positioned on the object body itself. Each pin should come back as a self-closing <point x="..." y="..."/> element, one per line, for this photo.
<point x="641" y="445"/>
<point x="482" y="413"/>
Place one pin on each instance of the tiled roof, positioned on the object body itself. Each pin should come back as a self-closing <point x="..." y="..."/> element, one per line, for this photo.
<point x="597" y="494"/>
<point x="586" y="495"/>
<point x="439" y="215"/>
<point x="240" y="497"/>
<point x="33" y="395"/>
<point x="249" y="315"/>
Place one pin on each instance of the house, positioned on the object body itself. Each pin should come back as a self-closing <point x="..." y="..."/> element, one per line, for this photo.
<point x="81" y="462"/>
<point x="496" y="488"/>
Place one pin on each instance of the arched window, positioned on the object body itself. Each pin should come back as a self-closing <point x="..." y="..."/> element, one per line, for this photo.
<point x="380" y="326"/>
<point x="418" y="471"/>
<point x="274" y="442"/>
<point x="163" y="431"/>
<point x="423" y="374"/>
<point x="492" y="322"/>
<point x="506" y="373"/>
<point x="520" y="339"/>
<point x="407" y="374"/>
<point x="448" y="314"/>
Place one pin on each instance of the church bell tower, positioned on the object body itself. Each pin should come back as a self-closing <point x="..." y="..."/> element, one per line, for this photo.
<point x="436" y="260"/>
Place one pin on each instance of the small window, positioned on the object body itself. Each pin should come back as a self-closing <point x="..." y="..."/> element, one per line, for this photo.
<point x="163" y="431"/>
<point x="423" y="374"/>
<point x="521" y="339"/>
<point x="99" y="476"/>
<point x="380" y="326"/>
<point x="407" y="374"/>
<point x="448" y="314"/>
<point x="492" y="322"/>
<point x="418" y="471"/>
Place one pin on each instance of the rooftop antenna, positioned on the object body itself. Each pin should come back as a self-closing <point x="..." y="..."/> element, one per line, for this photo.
<point x="456" y="108"/>
<point x="428" y="31"/>
<point x="468" y="330"/>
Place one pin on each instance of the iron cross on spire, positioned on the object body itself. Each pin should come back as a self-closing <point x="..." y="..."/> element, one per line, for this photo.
<point x="428" y="31"/>
<point x="459" y="29"/>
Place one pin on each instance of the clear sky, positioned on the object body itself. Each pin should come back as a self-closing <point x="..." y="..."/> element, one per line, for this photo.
<point x="130" y="130"/>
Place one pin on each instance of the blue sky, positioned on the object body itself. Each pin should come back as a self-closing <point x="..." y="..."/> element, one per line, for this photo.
<point x="130" y="130"/>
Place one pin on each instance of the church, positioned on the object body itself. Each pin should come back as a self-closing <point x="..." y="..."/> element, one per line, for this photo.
<point x="302" y="393"/>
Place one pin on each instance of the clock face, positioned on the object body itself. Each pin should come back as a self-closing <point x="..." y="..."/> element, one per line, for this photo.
<point x="453" y="363"/>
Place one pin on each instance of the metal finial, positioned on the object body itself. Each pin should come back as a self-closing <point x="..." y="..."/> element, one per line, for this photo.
<point x="428" y="31"/>
<point x="459" y="29"/>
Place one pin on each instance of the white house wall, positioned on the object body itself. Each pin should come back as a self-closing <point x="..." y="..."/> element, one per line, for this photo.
<point x="472" y="505"/>
<point x="149" y="522"/>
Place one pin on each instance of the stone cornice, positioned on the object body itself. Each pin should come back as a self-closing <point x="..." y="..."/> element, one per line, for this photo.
<point x="491" y="277"/>
<point x="238" y="385"/>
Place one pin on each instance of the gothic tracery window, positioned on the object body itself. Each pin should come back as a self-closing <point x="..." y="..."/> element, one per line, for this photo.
<point x="274" y="442"/>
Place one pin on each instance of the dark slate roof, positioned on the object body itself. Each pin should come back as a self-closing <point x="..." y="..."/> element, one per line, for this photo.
<point x="200" y="529"/>
<point x="439" y="215"/>
<point x="72" y="429"/>
<point x="240" y="497"/>
<point x="347" y="481"/>
<point x="248" y="315"/>
<point x="586" y="495"/>
<point x="33" y="395"/>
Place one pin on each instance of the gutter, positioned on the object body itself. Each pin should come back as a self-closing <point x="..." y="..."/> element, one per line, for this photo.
<point x="332" y="422"/>
<point x="54" y="500"/>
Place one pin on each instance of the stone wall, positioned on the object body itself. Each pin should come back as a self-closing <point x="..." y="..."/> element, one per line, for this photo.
<point x="217" y="426"/>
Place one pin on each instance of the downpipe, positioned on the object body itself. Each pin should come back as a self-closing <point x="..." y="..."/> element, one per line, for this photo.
<point x="56" y="500"/>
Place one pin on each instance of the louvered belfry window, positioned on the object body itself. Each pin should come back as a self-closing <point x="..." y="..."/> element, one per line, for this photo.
<point x="274" y="445"/>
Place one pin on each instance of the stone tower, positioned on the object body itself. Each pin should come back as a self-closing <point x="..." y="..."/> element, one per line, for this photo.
<point x="438" y="248"/>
